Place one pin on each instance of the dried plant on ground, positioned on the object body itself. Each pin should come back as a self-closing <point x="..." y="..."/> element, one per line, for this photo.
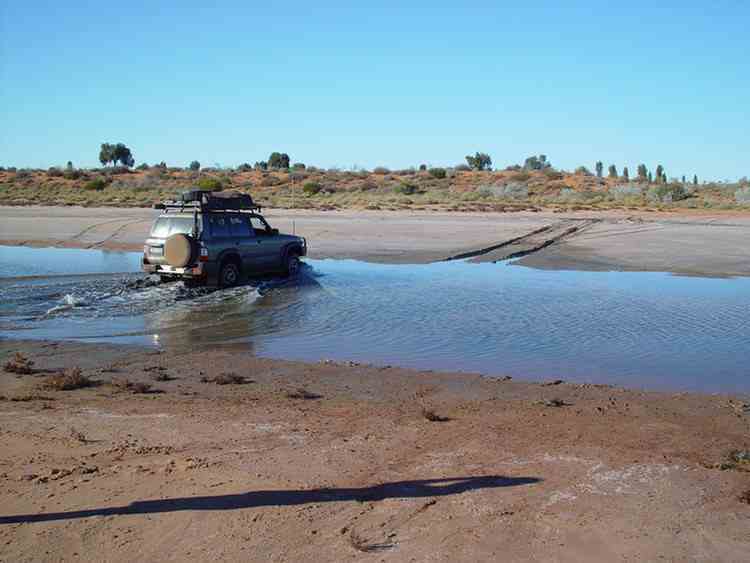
<point x="227" y="378"/>
<point x="70" y="379"/>
<point x="19" y="364"/>
<point x="132" y="386"/>
<point x="432" y="416"/>
<point x="302" y="394"/>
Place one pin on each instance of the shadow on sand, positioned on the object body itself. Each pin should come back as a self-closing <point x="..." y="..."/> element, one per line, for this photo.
<point x="398" y="489"/>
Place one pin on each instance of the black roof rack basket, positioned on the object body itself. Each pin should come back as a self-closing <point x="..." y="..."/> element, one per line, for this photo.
<point x="211" y="201"/>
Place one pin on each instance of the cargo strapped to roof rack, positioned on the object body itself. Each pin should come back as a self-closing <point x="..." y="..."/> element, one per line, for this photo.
<point x="211" y="201"/>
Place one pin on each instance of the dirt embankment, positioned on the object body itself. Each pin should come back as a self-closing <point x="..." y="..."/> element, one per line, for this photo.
<point x="330" y="462"/>
<point x="694" y="244"/>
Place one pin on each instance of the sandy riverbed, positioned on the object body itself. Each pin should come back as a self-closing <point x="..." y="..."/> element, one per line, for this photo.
<point x="686" y="243"/>
<point x="355" y="471"/>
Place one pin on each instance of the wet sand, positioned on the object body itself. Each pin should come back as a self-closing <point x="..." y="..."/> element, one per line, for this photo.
<point x="685" y="243"/>
<point x="355" y="471"/>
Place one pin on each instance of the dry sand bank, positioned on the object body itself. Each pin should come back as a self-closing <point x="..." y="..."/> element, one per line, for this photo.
<point x="355" y="471"/>
<point x="698" y="244"/>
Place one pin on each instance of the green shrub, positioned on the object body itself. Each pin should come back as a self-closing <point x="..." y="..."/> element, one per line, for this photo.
<point x="142" y="166"/>
<point x="405" y="189"/>
<point x="381" y="170"/>
<point x="437" y="173"/>
<point x="311" y="188"/>
<point x="195" y="166"/>
<point x="54" y="172"/>
<point x="210" y="184"/>
<point x="96" y="184"/>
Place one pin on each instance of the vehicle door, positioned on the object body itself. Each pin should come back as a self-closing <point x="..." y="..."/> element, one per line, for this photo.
<point x="248" y="244"/>
<point x="269" y="243"/>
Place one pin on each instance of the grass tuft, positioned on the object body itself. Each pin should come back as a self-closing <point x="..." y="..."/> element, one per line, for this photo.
<point x="302" y="394"/>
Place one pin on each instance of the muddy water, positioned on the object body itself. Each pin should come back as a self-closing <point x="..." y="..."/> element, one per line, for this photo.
<point x="638" y="329"/>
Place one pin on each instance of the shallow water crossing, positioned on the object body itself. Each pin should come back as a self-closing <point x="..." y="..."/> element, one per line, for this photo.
<point x="638" y="329"/>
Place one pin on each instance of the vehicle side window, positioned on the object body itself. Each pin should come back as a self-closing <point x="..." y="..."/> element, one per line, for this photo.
<point x="259" y="227"/>
<point x="219" y="225"/>
<point x="239" y="227"/>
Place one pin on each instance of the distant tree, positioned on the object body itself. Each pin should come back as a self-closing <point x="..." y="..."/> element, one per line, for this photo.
<point x="278" y="160"/>
<point x="298" y="166"/>
<point x="660" y="176"/>
<point x="650" y="178"/>
<point x="480" y="161"/>
<point x="244" y="167"/>
<point x="536" y="163"/>
<point x="599" y="167"/>
<point x="683" y="180"/>
<point x="643" y="172"/>
<point x="695" y="179"/>
<point x="625" y="174"/>
<point x="142" y="166"/>
<point x="162" y="165"/>
<point x="262" y="165"/>
<point x="116" y="153"/>
<point x="195" y="166"/>
<point x="106" y="154"/>
<point x="69" y="166"/>
<point x="582" y="171"/>
<point x="612" y="171"/>
<point x="422" y="167"/>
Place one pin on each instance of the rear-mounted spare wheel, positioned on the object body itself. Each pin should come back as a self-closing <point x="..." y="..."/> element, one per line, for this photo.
<point x="179" y="250"/>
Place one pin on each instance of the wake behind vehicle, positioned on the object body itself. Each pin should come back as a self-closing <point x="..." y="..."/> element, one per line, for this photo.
<point x="217" y="238"/>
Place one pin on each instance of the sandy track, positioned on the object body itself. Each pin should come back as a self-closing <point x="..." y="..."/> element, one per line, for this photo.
<point x="699" y="244"/>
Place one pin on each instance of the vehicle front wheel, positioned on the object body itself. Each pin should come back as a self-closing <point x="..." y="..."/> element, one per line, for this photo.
<point x="292" y="265"/>
<point x="229" y="275"/>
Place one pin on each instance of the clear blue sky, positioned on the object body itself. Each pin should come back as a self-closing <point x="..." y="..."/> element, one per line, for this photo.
<point x="379" y="83"/>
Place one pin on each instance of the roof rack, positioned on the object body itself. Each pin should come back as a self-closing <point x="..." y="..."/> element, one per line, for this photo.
<point x="208" y="201"/>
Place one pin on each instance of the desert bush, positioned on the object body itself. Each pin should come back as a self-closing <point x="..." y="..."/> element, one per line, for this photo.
<point x="23" y="173"/>
<point x="381" y="170"/>
<point x="19" y="364"/>
<point x="462" y="168"/>
<point x="405" y="188"/>
<point x="582" y="171"/>
<point x="195" y="165"/>
<point x="11" y="169"/>
<point x="311" y="188"/>
<point x="742" y="196"/>
<point x="298" y="166"/>
<point x="422" y="167"/>
<point x="54" y="172"/>
<point x="210" y="184"/>
<point x="142" y="166"/>
<point x="269" y="181"/>
<point x="552" y="174"/>
<point x="368" y="186"/>
<point x="97" y="184"/>
<point x="72" y="174"/>
<point x="624" y="191"/>
<point x="437" y="173"/>
<point x="666" y="193"/>
<point x="520" y="177"/>
<point x="70" y="379"/>
<point x="245" y="167"/>
<point x="511" y="190"/>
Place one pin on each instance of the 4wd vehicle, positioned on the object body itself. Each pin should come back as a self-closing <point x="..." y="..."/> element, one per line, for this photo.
<point x="216" y="238"/>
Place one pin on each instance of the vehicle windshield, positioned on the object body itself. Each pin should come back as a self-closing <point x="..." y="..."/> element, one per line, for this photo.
<point x="167" y="226"/>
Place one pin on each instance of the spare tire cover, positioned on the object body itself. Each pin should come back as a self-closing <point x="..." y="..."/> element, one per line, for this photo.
<point x="178" y="250"/>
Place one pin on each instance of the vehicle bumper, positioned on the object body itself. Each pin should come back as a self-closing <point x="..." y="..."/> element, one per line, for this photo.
<point x="202" y="270"/>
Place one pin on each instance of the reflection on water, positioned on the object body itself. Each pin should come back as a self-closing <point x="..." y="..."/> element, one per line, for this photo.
<point x="638" y="329"/>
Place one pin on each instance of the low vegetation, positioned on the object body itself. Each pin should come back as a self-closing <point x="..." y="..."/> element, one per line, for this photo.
<point x="471" y="186"/>
<point x="432" y="416"/>
<point x="227" y="378"/>
<point x="132" y="386"/>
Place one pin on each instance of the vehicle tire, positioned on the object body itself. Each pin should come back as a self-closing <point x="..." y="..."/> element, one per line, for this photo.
<point x="229" y="274"/>
<point x="292" y="264"/>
